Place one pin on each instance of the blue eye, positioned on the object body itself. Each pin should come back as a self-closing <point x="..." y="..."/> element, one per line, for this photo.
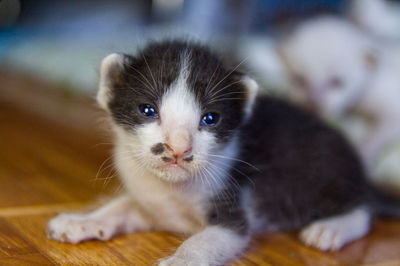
<point x="148" y="110"/>
<point x="209" y="119"/>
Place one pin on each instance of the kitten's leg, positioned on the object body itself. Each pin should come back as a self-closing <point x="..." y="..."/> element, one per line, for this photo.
<point x="215" y="245"/>
<point x="334" y="232"/>
<point x="116" y="217"/>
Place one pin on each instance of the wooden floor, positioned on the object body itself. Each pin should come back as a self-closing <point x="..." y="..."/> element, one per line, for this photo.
<point x="48" y="165"/>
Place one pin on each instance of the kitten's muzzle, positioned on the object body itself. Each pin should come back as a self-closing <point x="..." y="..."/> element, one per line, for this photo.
<point x="180" y="152"/>
<point x="177" y="155"/>
<point x="171" y="155"/>
<point x="177" y="147"/>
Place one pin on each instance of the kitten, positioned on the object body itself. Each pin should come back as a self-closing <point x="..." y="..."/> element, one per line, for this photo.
<point x="336" y="68"/>
<point x="199" y="154"/>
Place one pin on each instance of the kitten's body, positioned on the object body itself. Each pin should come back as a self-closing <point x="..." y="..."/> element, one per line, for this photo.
<point x="263" y="166"/>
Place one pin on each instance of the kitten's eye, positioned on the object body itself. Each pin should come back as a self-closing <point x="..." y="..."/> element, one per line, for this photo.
<point x="148" y="110"/>
<point x="209" y="119"/>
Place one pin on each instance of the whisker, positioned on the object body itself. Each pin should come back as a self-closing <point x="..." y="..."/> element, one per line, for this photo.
<point x="229" y="93"/>
<point x="235" y="159"/>
<point x="210" y="185"/>
<point x="227" y="195"/>
<point x="144" y="77"/>
<point x="211" y="78"/>
<point x="236" y="170"/>
<point x="224" y="99"/>
<point x="228" y="74"/>
<point x="102" y="143"/>
<point x="146" y="85"/>
<point x="218" y="91"/>
<point x="148" y="67"/>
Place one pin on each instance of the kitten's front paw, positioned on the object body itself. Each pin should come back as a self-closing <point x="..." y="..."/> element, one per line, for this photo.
<point x="73" y="228"/>
<point x="177" y="261"/>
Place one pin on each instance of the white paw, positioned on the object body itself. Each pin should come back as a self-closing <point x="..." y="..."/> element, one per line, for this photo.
<point x="73" y="228"/>
<point x="177" y="261"/>
<point x="335" y="232"/>
<point x="323" y="235"/>
<point x="326" y="235"/>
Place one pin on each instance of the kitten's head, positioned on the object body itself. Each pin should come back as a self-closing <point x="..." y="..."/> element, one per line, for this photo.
<point x="328" y="62"/>
<point x="175" y="106"/>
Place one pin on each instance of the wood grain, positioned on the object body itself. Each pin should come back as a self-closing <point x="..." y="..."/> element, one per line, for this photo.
<point x="47" y="166"/>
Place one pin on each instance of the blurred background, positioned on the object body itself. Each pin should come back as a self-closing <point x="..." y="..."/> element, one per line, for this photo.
<point x="64" y="41"/>
<point x="50" y="50"/>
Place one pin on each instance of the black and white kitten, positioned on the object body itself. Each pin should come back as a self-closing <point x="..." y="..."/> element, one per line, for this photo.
<point x="199" y="154"/>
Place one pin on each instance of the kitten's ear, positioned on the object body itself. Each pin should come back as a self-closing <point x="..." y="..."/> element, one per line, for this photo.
<point x="252" y="90"/>
<point x="112" y="68"/>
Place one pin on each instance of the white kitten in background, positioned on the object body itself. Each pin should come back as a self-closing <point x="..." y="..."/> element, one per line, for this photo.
<point x="379" y="17"/>
<point x="336" y="68"/>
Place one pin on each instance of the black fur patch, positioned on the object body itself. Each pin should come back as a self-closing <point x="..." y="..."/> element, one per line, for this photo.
<point x="158" y="149"/>
<point x="306" y="170"/>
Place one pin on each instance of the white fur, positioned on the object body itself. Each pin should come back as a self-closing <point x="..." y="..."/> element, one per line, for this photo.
<point x="180" y="114"/>
<point x="329" y="47"/>
<point x="171" y="207"/>
<point x="180" y="207"/>
<point x="333" y="233"/>
<point x="214" y="245"/>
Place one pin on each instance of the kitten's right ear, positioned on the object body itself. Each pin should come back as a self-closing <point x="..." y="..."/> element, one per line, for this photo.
<point x="111" y="76"/>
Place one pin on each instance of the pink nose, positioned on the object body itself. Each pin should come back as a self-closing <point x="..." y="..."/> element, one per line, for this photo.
<point x="179" y="151"/>
<point x="179" y="142"/>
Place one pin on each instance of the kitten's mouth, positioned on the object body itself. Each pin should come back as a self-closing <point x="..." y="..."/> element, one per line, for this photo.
<point x="174" y="165"/>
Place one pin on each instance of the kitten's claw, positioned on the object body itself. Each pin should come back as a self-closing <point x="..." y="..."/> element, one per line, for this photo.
<point x="72" y="228"/>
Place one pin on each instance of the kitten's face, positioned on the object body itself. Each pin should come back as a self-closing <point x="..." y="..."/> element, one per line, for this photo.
<point x="327" y="64"/>
<point x="175" y="107"/>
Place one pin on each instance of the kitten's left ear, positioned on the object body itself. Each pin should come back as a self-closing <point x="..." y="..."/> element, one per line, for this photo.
<point x="252" y="90"/>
